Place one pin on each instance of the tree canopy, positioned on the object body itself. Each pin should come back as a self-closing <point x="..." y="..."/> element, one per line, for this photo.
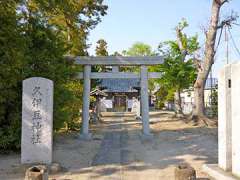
<point x="101" y="48"/>
<point x="178" y="69"/>
<point x="71" y="19"/>
<point x="139" y="49"/>
<point x="34" y="37"/>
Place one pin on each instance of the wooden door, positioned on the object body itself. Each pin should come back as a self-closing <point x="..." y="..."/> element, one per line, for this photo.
<point x="120" y="103"/>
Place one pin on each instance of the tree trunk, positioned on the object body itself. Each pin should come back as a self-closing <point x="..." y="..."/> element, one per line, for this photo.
<point x="199" y="99"/>
<point x="178" y="102"/>
<point x="209" y="53"/>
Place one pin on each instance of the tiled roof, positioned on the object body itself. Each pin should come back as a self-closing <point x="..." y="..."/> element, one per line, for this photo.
<point x="120" y="85"/>
<point x="130" y="85"/>
<point x="97" y="92"/>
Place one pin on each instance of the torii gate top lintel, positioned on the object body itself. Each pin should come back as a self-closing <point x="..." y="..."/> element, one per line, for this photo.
<point x="118" y="60"/>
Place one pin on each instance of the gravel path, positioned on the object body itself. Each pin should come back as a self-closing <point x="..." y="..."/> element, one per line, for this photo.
<point x="112" y="150"/>
<point x="117" y="152"/>
<point x="113" y="153"/>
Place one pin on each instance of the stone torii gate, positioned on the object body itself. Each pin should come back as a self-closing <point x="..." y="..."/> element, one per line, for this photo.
<point x="144" y="75"/>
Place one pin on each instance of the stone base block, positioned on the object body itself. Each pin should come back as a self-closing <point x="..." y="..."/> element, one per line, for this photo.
<point x="85" y="137"/>
<point x="217" y="173"/>
<point x="37" y="172"/>
<point x="184" y="171"/>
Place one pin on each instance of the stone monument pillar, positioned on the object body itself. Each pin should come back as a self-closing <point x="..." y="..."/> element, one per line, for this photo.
<point x="235" y="120"/>
<point x="224" y="119"/>
<point x="228" y="125"/>
<point x="37" y="121"/>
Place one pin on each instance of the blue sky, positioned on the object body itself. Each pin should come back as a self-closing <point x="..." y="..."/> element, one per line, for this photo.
<point x="153" y="21"/>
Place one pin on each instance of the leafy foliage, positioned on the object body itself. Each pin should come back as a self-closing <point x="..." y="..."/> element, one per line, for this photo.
<point x="101" y="48"/>
<point x="177" y="74"/>
<point x="214" y="102"/>
<point x="12" y="60"/>
<point x="70" y="18"/>
<point x="178" y="69"/>
<point x="34" y="37"/>
<point x="161" y="96"/>
<point x="139" y="49"/>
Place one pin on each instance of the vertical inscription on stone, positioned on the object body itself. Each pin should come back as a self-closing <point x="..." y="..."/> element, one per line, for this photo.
<point x="37" y="115"/>
<point x="37" y="122"/>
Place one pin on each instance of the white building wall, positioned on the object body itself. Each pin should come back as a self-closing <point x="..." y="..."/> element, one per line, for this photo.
<point x="188" y="100"/>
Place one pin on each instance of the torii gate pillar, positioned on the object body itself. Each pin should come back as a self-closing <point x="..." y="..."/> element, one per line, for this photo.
<point x="86" y="103"/>
<point x="145" y="102"/>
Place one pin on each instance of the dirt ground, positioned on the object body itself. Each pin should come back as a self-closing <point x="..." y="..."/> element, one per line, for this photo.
<point x="117" y="151"/>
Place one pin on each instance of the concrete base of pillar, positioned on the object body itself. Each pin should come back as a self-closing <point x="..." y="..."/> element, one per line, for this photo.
<point x="85" y="137"/>
<point x="146" y="137"/>
<point x="217" y="173"/>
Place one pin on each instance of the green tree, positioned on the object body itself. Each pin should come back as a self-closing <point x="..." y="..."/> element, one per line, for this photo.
<point x="101" y="48"/>
<point x="71" y="19"/>
<point x="116" y="54"/>
<point x="12" y="60"/>
<point x="32" y="44"/>
<point x="139" y="49"/>
<point x="45" y="54"/>
<point x="62" y="27"/>
<point x="176" y="76"/>
<point x="161" y="96"/>
<point x="178" y="70"/>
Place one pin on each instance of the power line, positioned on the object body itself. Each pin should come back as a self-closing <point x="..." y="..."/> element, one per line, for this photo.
<point x="234" y="43"/>
<point x="235" y="52"/>
<point x="219" y="40"/>
<point x="227" y="44"/>
<point x="236" y="24"/>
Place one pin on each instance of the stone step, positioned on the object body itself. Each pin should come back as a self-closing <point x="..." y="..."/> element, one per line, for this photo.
<point x="117" y="114"/>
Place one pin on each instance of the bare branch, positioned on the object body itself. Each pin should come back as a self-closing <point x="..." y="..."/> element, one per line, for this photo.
<point x="221" y="2"/>
<point x="228" y="21"/>
<point x="184" y="52"/>
<point x="179" y="38"/>
<point x="203" y="29"/>
<point x="209" y="54"/>
<point x="197" y="63"/>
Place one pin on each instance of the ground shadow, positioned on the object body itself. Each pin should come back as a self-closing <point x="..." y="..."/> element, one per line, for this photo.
<point x="118" y="146"/>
